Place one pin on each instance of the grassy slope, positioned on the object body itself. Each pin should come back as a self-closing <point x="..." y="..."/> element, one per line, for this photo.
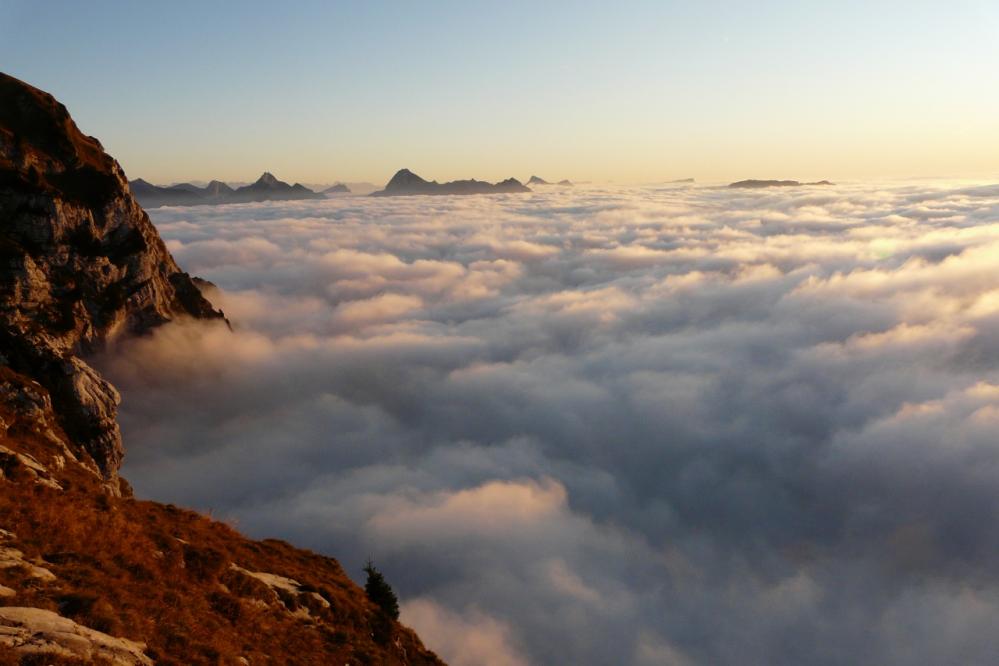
<point x="162" y="575"/>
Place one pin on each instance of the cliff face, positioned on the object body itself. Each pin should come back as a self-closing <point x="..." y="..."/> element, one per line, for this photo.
<point x="80" y="263"/>
<point x="88" y="574"/>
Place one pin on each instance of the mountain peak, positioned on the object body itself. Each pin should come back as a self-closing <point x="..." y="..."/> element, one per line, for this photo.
<point x="404" y="178"/>
<point x="267" y="179"/>
<point x="405" y="182"/>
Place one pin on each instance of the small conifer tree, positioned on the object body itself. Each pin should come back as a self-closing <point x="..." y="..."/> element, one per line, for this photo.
<point x="380" y="592"/>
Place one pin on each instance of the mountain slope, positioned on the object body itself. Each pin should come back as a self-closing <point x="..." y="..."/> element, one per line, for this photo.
<point x="88" y="574"/>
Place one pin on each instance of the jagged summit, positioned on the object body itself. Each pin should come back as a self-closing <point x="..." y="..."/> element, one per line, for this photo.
<point x="407" y="183"/>
<point x="218" y="189"/>
<point x="404" y="178"/>
<point x="266" y="188"/>
<point x="268" y="179"/>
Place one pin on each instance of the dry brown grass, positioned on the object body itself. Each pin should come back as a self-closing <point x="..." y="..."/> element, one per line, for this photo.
<point x="161" y="575"/>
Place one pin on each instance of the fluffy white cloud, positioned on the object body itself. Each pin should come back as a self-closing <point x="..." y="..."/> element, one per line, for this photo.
<point x="469" y="638"/>
<point x="606" y="425"/>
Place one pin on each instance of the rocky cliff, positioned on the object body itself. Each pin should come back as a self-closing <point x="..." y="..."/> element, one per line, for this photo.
<point x="88" y="574"/>
<point x="80" y="264"/>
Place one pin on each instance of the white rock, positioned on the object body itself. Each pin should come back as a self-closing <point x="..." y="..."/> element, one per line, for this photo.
<point x="38" y="631"/>
<point x="12" y="557"/>
<point x="271" y="580"/>
<point x="285" y="584"/>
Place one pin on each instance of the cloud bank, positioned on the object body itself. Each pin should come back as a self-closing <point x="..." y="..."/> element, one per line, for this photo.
<point x="660" y="425"/>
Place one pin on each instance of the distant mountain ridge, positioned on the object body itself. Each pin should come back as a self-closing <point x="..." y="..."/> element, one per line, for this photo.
<point x="266" y="188"/>
<point x="537" y="180"/>
<point x="407" y="183"/>
<point x="354" y="187"/>
<point x="751" y="183"/>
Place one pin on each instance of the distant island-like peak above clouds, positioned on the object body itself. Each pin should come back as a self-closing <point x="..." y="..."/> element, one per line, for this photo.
<point x="751" y="184"/>
<point x="339" y="188"/>
<point x="537" y="180"/>
<point x="266" y="188"/>
<point x="407" y="183"/>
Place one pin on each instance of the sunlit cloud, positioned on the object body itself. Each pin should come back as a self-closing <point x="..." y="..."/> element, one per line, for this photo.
<point x="606" y="425"/>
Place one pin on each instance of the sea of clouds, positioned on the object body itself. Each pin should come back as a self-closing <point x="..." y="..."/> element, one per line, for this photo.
<point x="606" y="425"/>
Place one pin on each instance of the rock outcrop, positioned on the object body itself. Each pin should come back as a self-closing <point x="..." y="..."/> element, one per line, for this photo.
<point x="407" y="183"/>
<point x="34" y="631"/>
<point x="80" y="264"/>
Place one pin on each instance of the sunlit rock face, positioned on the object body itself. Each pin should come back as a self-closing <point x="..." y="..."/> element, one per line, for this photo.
<point x="80" y="265"/>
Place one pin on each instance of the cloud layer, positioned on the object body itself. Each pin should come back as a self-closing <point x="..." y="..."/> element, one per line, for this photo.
<point x="649" y="425"/>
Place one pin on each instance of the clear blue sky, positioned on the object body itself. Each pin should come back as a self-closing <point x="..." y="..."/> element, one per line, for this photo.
<point x="638" y="91"/>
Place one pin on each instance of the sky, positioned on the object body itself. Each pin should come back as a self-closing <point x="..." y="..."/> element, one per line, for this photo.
<point x="599" y="425"/>
<point x="627" y="91"/>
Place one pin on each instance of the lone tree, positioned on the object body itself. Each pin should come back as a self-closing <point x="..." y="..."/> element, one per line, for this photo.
<point x="380" y="592"/>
